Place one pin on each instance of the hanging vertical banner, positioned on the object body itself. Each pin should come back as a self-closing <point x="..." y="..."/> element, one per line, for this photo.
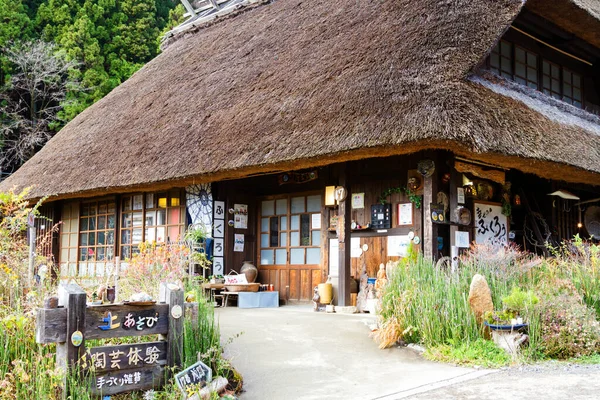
<point x="219" y="235"/>
<point x="218" y="266"/>
<point x="219" y="247"/>
<point x="219" y="228"/>
<point x="219" y="210"/>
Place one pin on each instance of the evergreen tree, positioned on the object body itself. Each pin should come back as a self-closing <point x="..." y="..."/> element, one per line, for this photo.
<point x="14" y="24"/>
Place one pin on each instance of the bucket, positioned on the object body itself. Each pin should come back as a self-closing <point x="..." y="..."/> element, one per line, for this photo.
<point x="325" y="293"/>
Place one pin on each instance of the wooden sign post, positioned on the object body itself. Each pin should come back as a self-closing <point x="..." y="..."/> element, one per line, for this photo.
<point x="120" y="368"/>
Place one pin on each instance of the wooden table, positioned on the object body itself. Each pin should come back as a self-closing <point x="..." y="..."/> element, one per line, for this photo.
<point x="215" y="291"/>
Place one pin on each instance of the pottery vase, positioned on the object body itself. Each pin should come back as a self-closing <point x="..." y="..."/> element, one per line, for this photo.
<point x="250" y="271"/>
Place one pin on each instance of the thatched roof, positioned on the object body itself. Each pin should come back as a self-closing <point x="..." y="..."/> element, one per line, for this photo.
<point x="293" y="84"/>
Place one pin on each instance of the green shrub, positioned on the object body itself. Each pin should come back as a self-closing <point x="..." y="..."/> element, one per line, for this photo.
<point x="519" y="301"/>
<point x="568" y="328"/>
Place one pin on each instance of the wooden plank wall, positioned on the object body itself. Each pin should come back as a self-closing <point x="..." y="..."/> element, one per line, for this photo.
<point x="377" y="243"/>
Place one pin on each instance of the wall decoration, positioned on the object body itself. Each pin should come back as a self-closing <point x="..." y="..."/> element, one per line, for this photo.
<point x="297" y="177"/>
<point x="355" y="249"/>
<point x="460" y="195"/>
<point x="491" y="226"/>
<point x="397" y="246"/>
<point x="381" y="216"/>
<point x="238" y="242"/>
<point x="405" y="214"/>
<point x="442" y="200"/>
<point x="340" y="193"/>
<point x="462" y="239"/>
<point x="414" y="181"/>
<point x="413" y="196"/>
<point x="199" y="202"/>
<point x="426" y="168"/>
<point x="241" y="216"/>
<point x="334" y="257"/>
<point x="315" y="221"/>
<point x="358" y="200"/>
<point x="463" y="215"/>
<point x="437" y="213"/>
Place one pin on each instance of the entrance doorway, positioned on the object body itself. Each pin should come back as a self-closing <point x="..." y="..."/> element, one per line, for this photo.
<point x="289" y="245"/>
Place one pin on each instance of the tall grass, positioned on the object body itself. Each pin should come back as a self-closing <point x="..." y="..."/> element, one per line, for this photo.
<point x="426" y="305"/>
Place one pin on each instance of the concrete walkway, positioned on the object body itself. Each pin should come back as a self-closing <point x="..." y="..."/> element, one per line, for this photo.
<point x="294" y="353"/>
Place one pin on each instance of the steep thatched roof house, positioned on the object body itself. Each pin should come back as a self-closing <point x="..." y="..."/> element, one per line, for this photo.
<point x="344" y="93"/>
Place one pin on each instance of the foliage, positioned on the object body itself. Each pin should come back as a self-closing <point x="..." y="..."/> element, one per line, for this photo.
<point x="503" y="317"/>
<point x="14" y="248"/>
<point x="196" y="233"/>
<point x="165" y="262"/>
<point x="558" y="297"/>
<point x="481" y="352"/>
<point x="569" y="328"/>
<point x="105" y="41"/>
<point x="412" y="196"/>
<point x="519" y="301"/>
<point x="31" y="100"/>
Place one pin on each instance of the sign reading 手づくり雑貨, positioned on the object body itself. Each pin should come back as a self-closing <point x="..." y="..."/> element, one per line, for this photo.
<point x="491" y="226"/>
<point x="123" y="367"/>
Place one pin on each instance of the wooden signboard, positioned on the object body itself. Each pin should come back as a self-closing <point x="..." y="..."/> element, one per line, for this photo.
<point x="197" y="374"/>
<point x="117" y="368"/>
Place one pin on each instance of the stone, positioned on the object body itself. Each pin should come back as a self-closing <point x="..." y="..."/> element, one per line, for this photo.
<point x="480" y="297"/>
<point x="217" y="385"/>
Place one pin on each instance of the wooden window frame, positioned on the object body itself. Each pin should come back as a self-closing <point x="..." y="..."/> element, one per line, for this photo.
<point x="96" y="217"/>
<point x="540" y="74"/>
<point x="170" y="196"/>
<point x="289" y="214"/>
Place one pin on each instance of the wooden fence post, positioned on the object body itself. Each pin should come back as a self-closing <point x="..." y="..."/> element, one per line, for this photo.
<point x="174" y="297"/>
<point x="73" y="298"/>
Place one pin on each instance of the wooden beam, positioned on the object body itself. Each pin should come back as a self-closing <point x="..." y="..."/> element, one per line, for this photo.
<point x="344" y="224"/>
<point x="429" y="228"/>
<point x="175" y="335"/>
<point x="73" y="298"/>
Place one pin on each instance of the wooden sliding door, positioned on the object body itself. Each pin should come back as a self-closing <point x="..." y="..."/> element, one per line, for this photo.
<point x="289" y="245"/>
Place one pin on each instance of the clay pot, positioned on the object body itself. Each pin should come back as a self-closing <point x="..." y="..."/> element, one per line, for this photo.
<point x="250" y="271"/>
<point x="353" y="285"/>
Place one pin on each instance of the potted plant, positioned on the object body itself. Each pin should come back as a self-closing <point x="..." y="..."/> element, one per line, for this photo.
<point x="196" y="234"/>
<point x="216" y="279"/>
<point x="516" y="306"/>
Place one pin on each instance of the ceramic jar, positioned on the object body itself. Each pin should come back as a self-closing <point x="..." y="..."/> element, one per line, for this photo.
<point x="250" y="271"/>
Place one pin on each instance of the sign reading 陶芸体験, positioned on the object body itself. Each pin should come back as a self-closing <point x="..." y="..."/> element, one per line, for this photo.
<point x="118" y="368"/>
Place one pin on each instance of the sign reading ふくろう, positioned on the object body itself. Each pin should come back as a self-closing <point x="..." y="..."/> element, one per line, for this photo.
<point x="491" y="226"/>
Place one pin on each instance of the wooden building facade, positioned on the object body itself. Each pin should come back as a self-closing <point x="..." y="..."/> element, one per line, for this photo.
<point x="436" y="124"/>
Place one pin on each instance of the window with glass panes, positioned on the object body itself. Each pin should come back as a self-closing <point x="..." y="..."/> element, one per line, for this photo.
<point x="152" y="217"/>
<point x="526" y="71"/>
<point x="521" y="65"/>
<point x="289" y="234"/>
<point x="69" y="230"/>
<point x="501" y="59"/>
<point x="97" y="231"/>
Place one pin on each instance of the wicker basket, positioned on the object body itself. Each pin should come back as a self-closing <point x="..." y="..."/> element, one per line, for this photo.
<point x="243" y="287"/>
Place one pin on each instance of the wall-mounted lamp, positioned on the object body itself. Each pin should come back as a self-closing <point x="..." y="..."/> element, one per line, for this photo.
<point x="330" y="195"/>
